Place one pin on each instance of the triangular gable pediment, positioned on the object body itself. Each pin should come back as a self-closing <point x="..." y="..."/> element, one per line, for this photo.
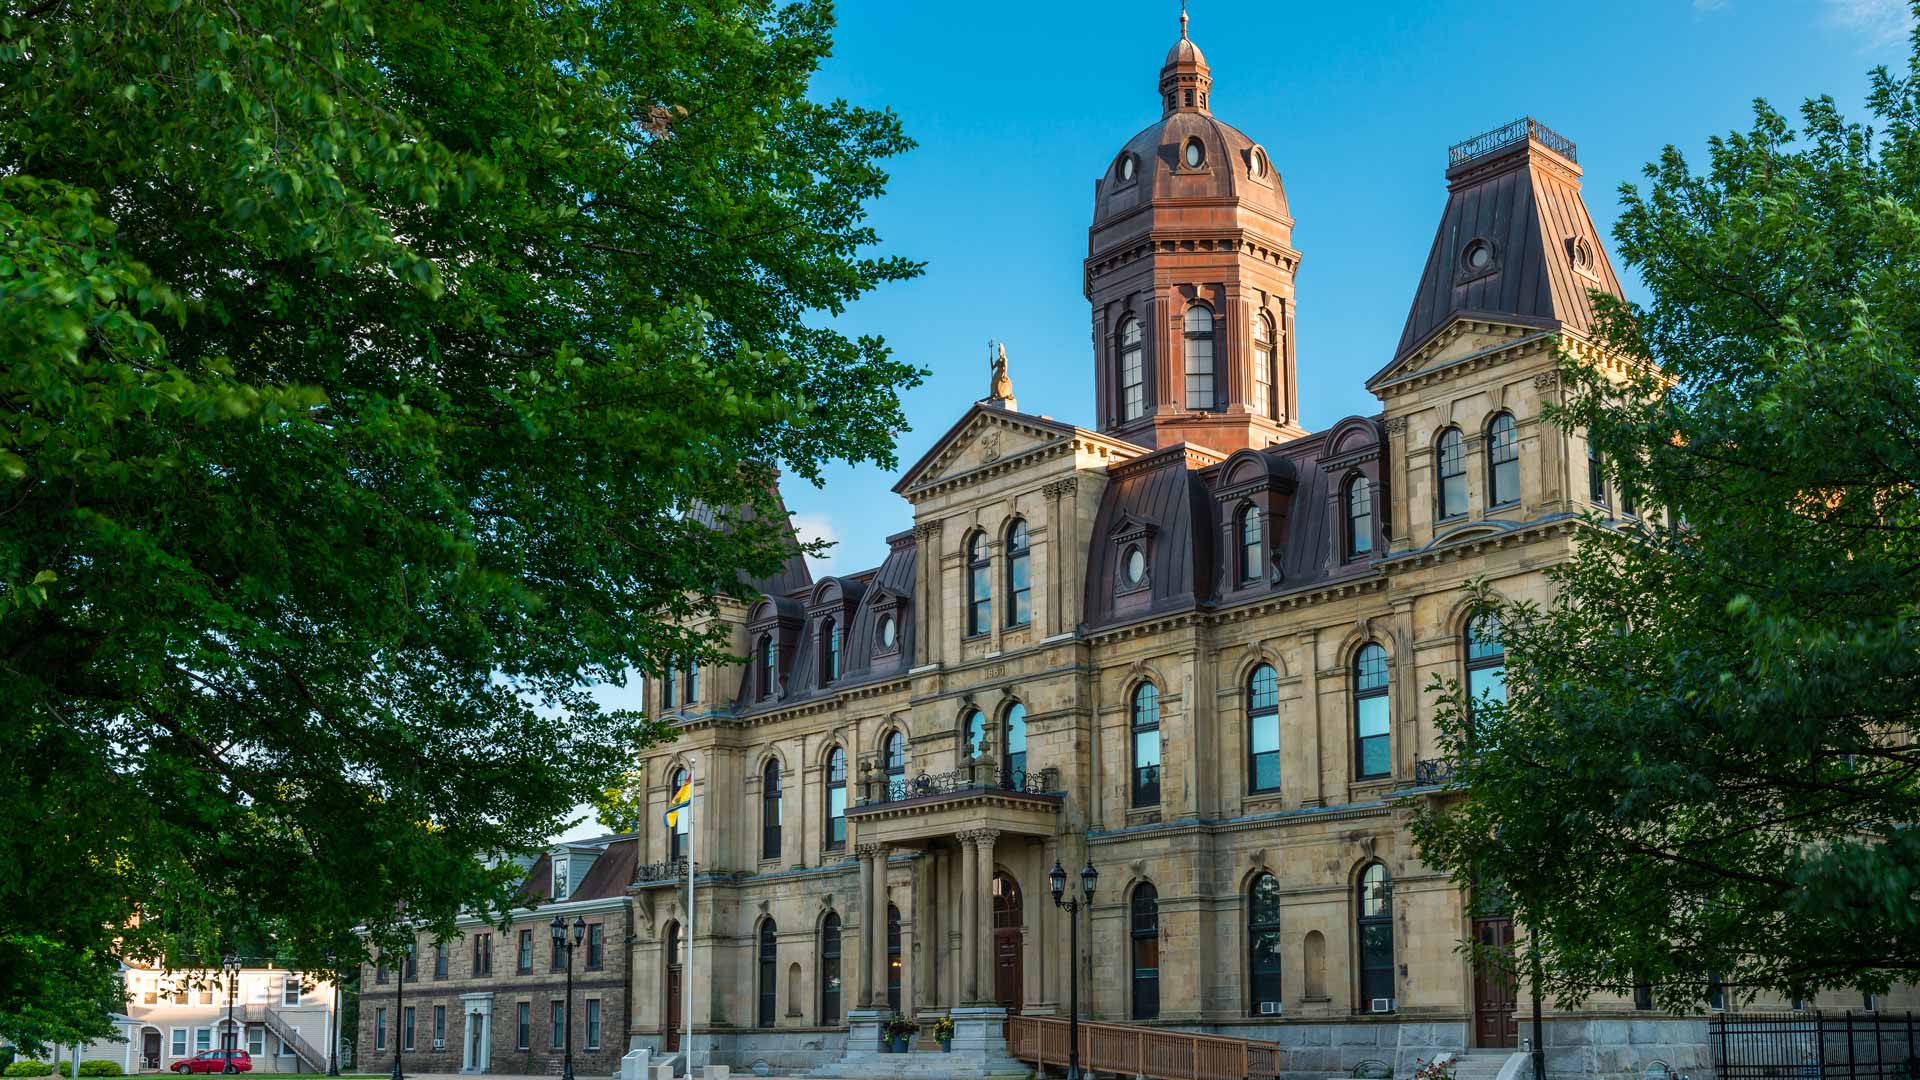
<point x="984" y="436"/>
<point x="1465" y="338"/>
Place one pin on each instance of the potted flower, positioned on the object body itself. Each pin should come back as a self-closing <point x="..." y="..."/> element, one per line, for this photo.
<point x="899" y="1030"/>
<point x="943" y="1031"/>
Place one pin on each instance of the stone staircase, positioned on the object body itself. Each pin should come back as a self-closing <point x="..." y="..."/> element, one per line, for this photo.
<point x="1480" y="1064"/>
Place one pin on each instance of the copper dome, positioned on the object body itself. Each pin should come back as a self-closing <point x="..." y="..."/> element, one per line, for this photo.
<point x="1230" y="166"/>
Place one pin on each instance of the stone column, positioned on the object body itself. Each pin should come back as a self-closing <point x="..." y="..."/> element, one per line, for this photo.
<point x="866" y="854"/>
<point x="969" y="920"/>
<point x="926" y="930"/>
<point x="877" y="933"/>
<point x="983" y="915"/>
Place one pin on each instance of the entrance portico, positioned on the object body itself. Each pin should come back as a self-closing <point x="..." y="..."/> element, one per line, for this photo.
<point x="476" y="1053"/>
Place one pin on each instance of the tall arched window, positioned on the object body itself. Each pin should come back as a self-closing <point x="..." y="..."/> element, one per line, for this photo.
<point x="1263" y="945"/>
<point x="1451" y="449"/>
<point x="1486" y="660"/>
<point x="1199" y="338"/>
<point x="976" y="734"/>
<point x="1253" y="559"/>
<point x="692" y="695"/>
<point x="677" y="838"/>
<point x="1373" y="926"/>
<point x="769" y="665"/>
<point x="836" y="837"/>
<point x="979" y="594"/>
<point x="1014" y="746"/>
<point x="830" y="970"/>
<point x="1146" y="951"/>
<point x="893" y="958"/>
<point x="1146" y="745"/>
<point x="893" y="754"/>
<point x="829" y="651"/>
<point x="1359" y="517"/>
<point x="1503" y="461"/>
<point x="770" y="811"/>
<point x="1263" y="729"/>
<point x="769" y="972"/>
<point x="1263" y="375"/>
<point x="1372" y="717"/>
<point x="666" y="691"/>
<point x="1019" y="579"/>
<point x="1133" y="372"/>
<point x="1596" y="476"/>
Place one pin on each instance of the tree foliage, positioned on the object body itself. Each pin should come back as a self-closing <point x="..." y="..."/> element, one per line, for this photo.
<point x="374" y="373"/>
<point x="1707" y="762"/>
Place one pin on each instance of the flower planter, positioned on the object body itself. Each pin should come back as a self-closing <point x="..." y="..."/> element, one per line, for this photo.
<point x="897" y="1044"/>
<point x="946" y="1046"/>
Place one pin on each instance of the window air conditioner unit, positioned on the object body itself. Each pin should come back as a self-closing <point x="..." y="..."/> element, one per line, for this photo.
<point x="1382" y="1005"/>
<point x="439" y="1044"/>
<point x="1269" y="1008"/>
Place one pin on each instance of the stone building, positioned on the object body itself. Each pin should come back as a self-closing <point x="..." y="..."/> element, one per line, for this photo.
<point x="493" y="999"/>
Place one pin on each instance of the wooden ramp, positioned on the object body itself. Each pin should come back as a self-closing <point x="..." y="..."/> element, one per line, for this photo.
<point x="1159" y="1053"/>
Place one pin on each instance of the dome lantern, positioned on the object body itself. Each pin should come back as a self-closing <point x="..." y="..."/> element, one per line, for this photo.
<point x="1184" y="79"/>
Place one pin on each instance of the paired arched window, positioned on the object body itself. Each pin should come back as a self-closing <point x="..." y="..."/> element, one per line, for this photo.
<point x="836" y="837"/>
<point x="1019" y="576"/>
<point x="1451" y="450"/>
<point x="1146" y="745"/>
<point x="1486" y="660"/>
<point x="769" y="665"/>
<point x="979" y="587"/>
<point x="769" y="973"/>
<point x="677" y="836"/>
<point x="1263" y="729"/>
<point x="1145" y="911"/>
<point x="1359" y="516"/>
<point x="1199" y="340"/>
<point x="1503" y="461"/>
<point x="1263" y="945"/>
<point x="893" y="958"/>
<point x="975" y="733"/>
<point x="770" y="811"/>
<point x="1133" y="372"/>
<point x="1253" y="559"/>
<point x="1373" y="928"/>
<point x="893" y="754"/>
<point x="829" y="651"/>
<point x="1013" y="739"/>
<point x="1372" y="716"/>
<point x="1263" y="373"/>
<point x="830" y="970"/>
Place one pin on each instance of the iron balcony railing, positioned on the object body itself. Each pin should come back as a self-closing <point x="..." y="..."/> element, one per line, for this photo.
<point x="665" y="870"/>
<point x="1506" y="135"/>
<point x="962" y="780"/>
<point x="1432" y="771"/>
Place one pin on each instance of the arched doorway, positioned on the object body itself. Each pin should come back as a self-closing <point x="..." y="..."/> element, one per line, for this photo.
<point x="670" y="1024"/>
<point x="1009" y="934"/>
<point x="150" y="1048"/>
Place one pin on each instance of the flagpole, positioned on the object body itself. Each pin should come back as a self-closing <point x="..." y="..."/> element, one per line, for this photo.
<point x="687" y="984"/>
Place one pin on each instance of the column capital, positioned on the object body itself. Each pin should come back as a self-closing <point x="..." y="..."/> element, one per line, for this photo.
<point x="978" y="837"/>
<point x="870" y="851"/>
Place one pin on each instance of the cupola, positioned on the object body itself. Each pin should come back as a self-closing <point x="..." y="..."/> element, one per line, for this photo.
<point x="1184" y="80"/>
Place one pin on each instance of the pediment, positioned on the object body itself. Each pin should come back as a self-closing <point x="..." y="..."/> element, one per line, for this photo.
<point x="1465" y="338"/>
<point x="985" y="436"/>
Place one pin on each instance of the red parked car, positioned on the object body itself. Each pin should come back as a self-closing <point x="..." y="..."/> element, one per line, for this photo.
<point x="215" y="1061"/>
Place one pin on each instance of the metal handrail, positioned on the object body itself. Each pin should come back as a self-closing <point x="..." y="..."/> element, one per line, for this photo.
<point x="1157" y="1053"/>
<point x="1506" y="135"/>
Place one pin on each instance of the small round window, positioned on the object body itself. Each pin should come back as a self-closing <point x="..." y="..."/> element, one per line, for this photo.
<point x="1194" y="153"/>
<point x="1259" y="167"/>
<point x="1477" y="256"/>
<point x="1136" y="567"/>
<point x="1127" y="166"/>
<point x="1582" y="254"/>
<point x="886" y="632"/>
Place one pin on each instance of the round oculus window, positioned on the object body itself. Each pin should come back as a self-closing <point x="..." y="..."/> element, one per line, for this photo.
<point x="1259" y="163"/>
<point x="1582" y="255"/>
<point x="1136" y="568"/>
<point x="1126" y="166"/>
<point x="886" y="632"/>
<point x="1478" y="256"/>
<point x="1195" y="154"/>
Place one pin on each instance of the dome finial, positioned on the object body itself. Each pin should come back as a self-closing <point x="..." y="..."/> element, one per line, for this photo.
<point x="1183" y="20"/>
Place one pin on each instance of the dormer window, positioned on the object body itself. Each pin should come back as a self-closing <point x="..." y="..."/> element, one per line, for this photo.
<point x="1359" y="517"/>
<point x="1257" y="163"/>
<point x="1128" y="166"/>
<point x="889" y="633"/>
<point x="829" y="651"/>
<point x="1252" y="554"/>
<point x="1133" y="567"/>
<point x="560" y="876"/>
<point x="769" y="665"/>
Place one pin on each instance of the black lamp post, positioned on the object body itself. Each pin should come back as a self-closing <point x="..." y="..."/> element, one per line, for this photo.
<point x="230" y="966"/>
<point x="561" y="944"/>
<point x="400" y="1012"/>
<point x="333" y="1044"/>
<point x="1057" y="881"/>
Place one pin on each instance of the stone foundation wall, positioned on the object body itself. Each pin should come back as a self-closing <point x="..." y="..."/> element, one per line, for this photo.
<point x="786" y="1052"/>
<point x="1625" y="1049"/>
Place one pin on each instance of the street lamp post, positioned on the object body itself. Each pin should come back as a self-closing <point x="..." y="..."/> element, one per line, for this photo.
<point x="230" y="966"/>
<point x="400" y="1012"/>
<point x="561" y="944"/>
<point x="1057" y="881"/>
<point x="333" y="1043"/>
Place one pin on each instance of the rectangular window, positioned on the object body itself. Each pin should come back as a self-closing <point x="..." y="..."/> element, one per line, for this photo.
<point x="554" y="963"/>
<point x="596" y="946"/>
<point x="439" y="961"/>
<point x="290" y="992"/>
<point x="483" y="954"/>
<point x="837" y="817"/>
<point x="256" y="1040"/>
<point x="179" y="1046"/>
<point x="439" y="1026"/>
<point x="180" y="996"/>
<point x="1596" y="478"/>
<point x="206" y="995"/>
<point x="286" y="1048"/>
<point x="1265" y="750"/>
<point x="1488" y="683"/>
<point x="557" y="1011"/>
<point x="1372" y="724"/>
<point x="379" y="1029"/>
<point x="1133" y="378"/>
<point x="380" y="972"/>
<point x="150" y="997"/>
<point x="525" y="965"/>
<point x="202" y="1039"/>
<point x="523" y="1026"/>
<point x="406" y="1028"/>
<point x="593" y="1023"/>
<point x="412" y="964"/>
<point x="1146" y="767"/>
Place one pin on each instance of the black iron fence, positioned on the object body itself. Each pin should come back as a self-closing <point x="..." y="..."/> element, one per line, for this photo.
<point x="1810" y="1045"/>
<point x="967" y="778"/>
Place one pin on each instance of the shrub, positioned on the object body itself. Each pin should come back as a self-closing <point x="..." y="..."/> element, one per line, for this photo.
<point x="100" y="1067"/>
<point x="29" y="1068"/>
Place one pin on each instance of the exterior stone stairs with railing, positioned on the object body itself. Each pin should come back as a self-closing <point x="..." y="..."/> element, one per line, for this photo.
<point x="1480" y="1064"/>
<point x="314" y="1058"/>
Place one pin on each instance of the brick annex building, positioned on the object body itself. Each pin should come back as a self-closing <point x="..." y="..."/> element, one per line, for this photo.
<point x="1190" y="646"/>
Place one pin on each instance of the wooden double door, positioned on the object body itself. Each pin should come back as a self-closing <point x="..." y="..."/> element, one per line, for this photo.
<point x="1009" y="944"/>
<point x="1496" y="987"/>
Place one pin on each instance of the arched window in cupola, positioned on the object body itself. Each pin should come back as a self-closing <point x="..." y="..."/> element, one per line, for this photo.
<point x="1133" y="372"/>
<point x="1198" y="334"/>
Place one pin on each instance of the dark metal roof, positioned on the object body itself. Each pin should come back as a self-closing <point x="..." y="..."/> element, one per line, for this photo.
<point x="1515" y="189"/>
<point x="793" y="575"/>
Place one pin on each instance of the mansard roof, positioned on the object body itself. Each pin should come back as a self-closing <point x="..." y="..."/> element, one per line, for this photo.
<point x="793" y="573"/>
<point x="886" y="589"/>
<point x="1515" y="189"/>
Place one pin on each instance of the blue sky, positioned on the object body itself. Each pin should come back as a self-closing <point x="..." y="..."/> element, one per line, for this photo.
<point x="1018" y="107"/>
